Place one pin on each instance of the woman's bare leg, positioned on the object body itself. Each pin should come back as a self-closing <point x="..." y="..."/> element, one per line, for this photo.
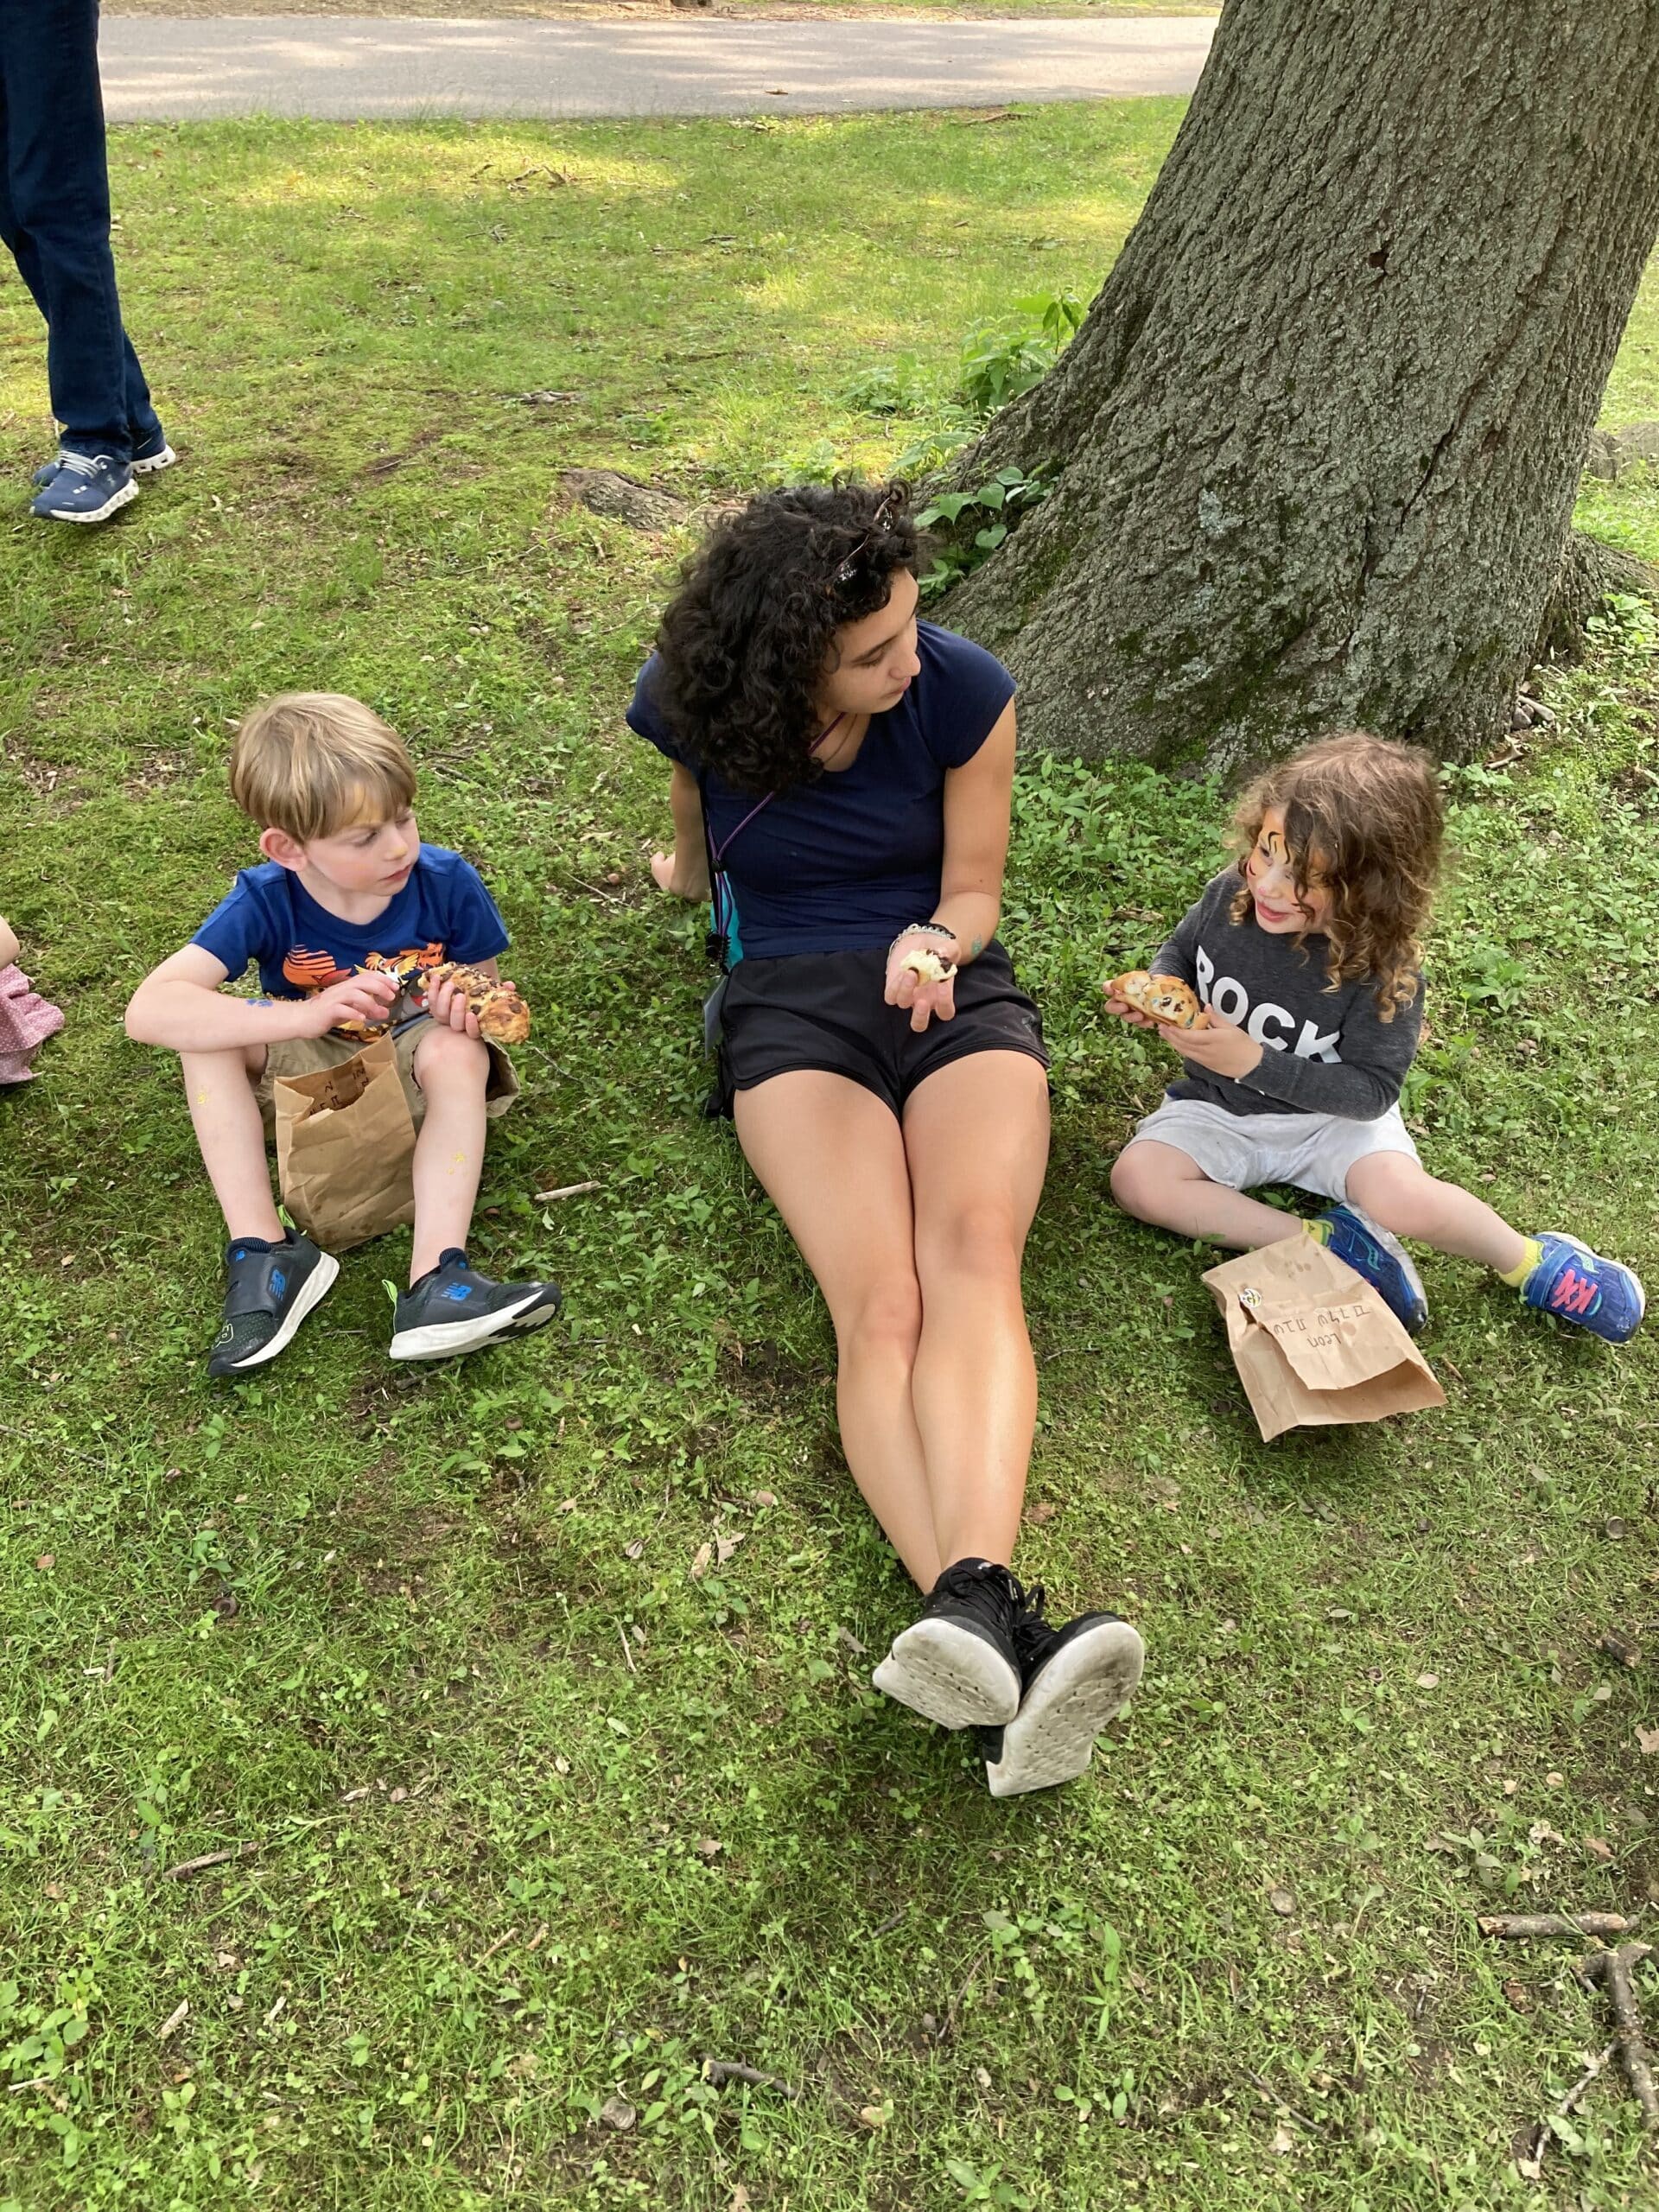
<point x="977" y="1139"/>
<point x="831" y="1158"/>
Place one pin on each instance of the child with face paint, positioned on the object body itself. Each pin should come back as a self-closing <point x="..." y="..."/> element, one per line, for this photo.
<point x="1306" y="956"/>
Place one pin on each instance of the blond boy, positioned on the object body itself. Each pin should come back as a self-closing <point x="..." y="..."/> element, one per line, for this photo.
<point x="346" y="890"/>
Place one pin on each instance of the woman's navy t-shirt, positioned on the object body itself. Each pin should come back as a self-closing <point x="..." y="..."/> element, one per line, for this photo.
<point x="843" y="863"/>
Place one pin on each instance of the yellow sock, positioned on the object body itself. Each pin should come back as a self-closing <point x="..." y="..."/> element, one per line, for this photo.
<point x="1515" y="1276"/>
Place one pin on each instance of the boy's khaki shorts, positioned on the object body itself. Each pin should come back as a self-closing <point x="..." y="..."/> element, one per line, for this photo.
<point x="296" y="1056"/>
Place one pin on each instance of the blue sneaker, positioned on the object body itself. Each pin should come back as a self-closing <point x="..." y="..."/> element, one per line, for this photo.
<point x="454" y="1309"/>
<point x="86" y="488"/>
<point x="1373" y="1252"/>
<point x="152" y="454"/>
<point x="1575" y="1284"/>
<point x="268" y="1290"/>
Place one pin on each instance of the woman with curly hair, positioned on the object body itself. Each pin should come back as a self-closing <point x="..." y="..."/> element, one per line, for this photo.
<point x="842" y="778"/>
<point x="1306" y="957"/>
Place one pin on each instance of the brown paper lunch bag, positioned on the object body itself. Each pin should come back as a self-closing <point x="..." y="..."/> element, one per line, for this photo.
<point x="1313" y="1342"/>
<point x="346" y="1148"/>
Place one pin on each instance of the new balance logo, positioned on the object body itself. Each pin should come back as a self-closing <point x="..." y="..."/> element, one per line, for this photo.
<point x="1574" y="1294"/>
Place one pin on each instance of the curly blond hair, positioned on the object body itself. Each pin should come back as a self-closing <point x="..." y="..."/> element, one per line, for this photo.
<point x="1362" y="815"/>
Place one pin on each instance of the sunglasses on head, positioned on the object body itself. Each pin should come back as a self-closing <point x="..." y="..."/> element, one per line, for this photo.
<point x="878" y="522"/>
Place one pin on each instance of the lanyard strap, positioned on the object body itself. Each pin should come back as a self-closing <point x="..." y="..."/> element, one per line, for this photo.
<point x="724" y="906"/>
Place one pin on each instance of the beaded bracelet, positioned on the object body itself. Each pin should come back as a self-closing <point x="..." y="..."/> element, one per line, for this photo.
<point x="923" y="929"/>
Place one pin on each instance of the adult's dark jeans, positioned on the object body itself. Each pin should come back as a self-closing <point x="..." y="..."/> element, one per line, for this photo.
<point x="54" y="215"/>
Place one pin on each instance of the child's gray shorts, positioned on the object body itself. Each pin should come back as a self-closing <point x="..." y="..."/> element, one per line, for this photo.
<point x="1313" y="1151"/>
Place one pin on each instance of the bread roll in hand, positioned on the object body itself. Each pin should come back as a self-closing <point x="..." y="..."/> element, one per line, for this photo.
<point x="1160" y="998"/>
<point x="501" y="1013"/>
<point x="927" y="965"/>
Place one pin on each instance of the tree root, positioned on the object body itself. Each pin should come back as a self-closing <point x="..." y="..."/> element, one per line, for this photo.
<point x="1588" y="573"/>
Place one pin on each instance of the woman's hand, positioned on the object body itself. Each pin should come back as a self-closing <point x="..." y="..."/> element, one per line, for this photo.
<point x="1214" y="1043"/>
<point x="687" y="881"/>
<point x="922" y="1001"/>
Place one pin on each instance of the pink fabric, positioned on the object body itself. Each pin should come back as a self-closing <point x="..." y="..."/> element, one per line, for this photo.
<point x="26" y="1022"/>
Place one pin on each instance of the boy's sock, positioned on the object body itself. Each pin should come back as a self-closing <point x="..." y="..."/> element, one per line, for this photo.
<point x="1515" y="1276"/>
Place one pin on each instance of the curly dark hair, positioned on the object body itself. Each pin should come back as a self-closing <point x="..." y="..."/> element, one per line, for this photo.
<point x="1364" y="812"/>
<point x="749" y="635"/>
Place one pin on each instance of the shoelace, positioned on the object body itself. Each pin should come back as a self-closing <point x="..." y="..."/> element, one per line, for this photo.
<point x="1000" y="1585"/>
<point x="1032" y="1632"/>
<point x="84" y="464"/>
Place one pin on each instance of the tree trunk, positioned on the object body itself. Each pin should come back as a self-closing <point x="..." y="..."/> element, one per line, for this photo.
<point x="1319" y="438"/>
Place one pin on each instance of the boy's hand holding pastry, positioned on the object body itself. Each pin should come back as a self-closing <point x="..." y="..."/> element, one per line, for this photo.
<point x="365" y="998"/>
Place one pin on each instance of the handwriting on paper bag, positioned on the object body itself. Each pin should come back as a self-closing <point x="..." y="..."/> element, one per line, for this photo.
<point x="1324" y="1328"/>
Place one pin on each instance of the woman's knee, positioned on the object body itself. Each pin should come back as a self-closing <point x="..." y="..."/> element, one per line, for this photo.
<point x="884" y="1316"/>
<point x="979" y="1238"/>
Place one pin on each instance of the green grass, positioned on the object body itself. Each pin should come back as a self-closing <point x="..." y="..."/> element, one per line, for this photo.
<point x="368" y="1627"/>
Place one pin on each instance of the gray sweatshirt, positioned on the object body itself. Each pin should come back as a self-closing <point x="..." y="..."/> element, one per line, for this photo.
<point x="1326" y="1051"/>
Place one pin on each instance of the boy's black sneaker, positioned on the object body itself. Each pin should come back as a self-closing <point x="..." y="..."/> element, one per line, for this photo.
<point x="454" y="1309"/>
<point x="271" y="1289"/>
<point x="1076" y="1679"/>
<point x="959" y="1664"/>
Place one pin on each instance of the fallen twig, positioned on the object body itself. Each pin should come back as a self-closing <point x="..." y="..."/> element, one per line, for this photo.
<point x="626" y="1652"/>
<point x="1529" y="2165"/>
<point x="208" y="1858"/>
<point x="1268" y="2089"/>
<point x="1613" y="1970"/>
<point x="566" y="1191"/>
<point x="496" y="1946"/>
<point x="1554" y="1923"/>
<point x="722" y="2070"/>
<point x="174" y="2020"/>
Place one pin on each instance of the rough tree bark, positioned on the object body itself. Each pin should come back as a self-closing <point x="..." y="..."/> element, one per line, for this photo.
<point x="1320" y="435"/>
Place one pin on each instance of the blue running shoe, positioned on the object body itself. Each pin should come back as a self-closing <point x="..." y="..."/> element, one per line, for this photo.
<point x="153" y="454"/>
<point x="455" y="1309"/>
<point x="268" y="1290"/>
<point x="1373" y="1252"/>
<point x="1576" y="1285"/>
<point x="86" y="488"/>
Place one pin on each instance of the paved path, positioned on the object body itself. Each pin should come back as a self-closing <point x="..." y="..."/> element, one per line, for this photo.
<point x="168" y="68"/>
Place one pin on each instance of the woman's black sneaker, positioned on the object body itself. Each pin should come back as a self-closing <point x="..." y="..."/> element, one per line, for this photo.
<point x="959" y="1664"/>
<point x="1076" y="1679"/>
<point x="270" y="1290"/>
<point x="454" y="1309"/>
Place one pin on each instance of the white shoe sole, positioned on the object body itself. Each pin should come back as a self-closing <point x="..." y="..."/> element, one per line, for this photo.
<point x="113" y="504"/>
<point x="1084" y="1686"/>
<point x="448" y="1339"/>
<point x="320" y="1282"/>
<point x="949" y="1675"/>
<point x="157" y="461"/>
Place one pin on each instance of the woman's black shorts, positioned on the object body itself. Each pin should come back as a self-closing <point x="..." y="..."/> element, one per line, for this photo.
<point x="826" y="1010"/>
